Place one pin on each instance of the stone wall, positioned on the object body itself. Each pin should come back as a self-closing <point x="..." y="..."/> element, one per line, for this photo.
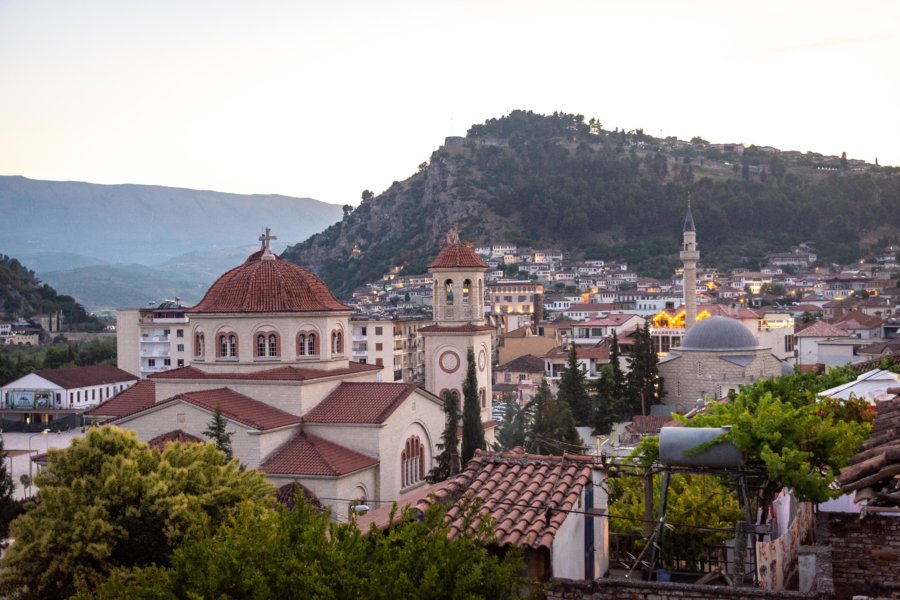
<point x="865" y="553"/>
<point x="603" y="589"/>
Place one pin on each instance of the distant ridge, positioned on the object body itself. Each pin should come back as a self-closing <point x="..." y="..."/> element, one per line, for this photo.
<point x="144" y="224"/>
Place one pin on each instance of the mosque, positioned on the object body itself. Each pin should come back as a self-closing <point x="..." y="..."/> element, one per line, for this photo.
<point x="717" y="354"/>
<point x="269" y="350"/>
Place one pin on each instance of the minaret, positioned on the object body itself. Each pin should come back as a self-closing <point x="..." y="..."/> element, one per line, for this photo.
<point x="689" y="257"/>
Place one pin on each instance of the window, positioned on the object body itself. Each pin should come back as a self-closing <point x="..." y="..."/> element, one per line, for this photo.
<point x="311" y="348"/>
<point x="301" y="344"/>
<point x="522" y="298"/>
<point x="181" y="347"/>
<point x="179" y="333"/>
<point x="788" y="343"/>
<point x="378" y="330"/>
<point x="151" y="362"/>
<point x="412" y="462"/>
<point x="228" y="345"/>
<point x="93" y="394"/>
<point x="448" y="291"/>
<point x="167" y="362"/>
<point x="363" y="331"/>
<point x="260" y="345"/>
<point x="199" y="344"/>
<point x="467" y="284"/>
<point x="273" y="344"/>
<point x="482" y="394"/>
<point x="337" y="342"/>
<point x="180" y="362"/>
<point x="167" y="332"/>
<point x="379" y="361"/>
<point x="379" y="346"/>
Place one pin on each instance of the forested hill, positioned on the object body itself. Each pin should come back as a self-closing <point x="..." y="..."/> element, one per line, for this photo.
<point x="23" y="296"/>
<point x="560" y="181"/>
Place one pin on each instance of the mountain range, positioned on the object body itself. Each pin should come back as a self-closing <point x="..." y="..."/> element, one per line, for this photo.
<point x="561" y="181"/>
<point x="124" y="245"/>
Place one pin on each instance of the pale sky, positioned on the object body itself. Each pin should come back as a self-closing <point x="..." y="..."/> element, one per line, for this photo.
<point x="325" y="99"/>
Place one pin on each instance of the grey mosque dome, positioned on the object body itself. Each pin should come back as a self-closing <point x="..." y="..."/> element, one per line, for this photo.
<point x="718" y="333"/>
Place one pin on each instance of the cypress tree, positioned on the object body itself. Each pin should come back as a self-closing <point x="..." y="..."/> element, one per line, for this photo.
<point x="644" y="383"/>
<point x="216" y="431"/>
<point x="511" y="432"/>
<point x="473" y="430"/>
<point x="552" y="429"/>
<point x="447" y="462"/>
<point x="573" y="389"/>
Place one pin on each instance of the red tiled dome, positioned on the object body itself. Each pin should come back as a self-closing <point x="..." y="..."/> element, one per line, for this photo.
<point x="268" y="286"/>
<point x="454" y="255"/>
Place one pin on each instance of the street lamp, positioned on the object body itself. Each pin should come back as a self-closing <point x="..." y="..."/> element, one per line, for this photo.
<point x="31" y="462"/>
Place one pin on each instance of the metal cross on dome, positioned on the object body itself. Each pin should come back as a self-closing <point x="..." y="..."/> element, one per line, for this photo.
<point x="266" y="240"/>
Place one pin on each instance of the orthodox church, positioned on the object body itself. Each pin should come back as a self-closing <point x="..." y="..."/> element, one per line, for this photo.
<point x="270" y="351"/>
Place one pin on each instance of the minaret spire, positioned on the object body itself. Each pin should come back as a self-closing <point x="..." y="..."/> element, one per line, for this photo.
<point x="689" y="257"/>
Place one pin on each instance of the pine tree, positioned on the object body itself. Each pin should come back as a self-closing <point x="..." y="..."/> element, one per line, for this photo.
<point x="447" y="461"/>
<point x="573" y="389"/>
<point x="473" y="430"/>
<point x="645" y="386"/>
<point x="610" y="404"/>
<point x="216" y="431"/>
<point x="552" y="429"/>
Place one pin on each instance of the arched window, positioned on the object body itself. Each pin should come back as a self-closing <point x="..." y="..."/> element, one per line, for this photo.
<point x="448" y="290"/>
<point x="232" y="346"/>
<point x="466" y="287"/>
<point x="199" y="345"/>
<point x="301" y="344"/>
<point x="311" y="348"/>
<point x="267" y="345"/>
<point x="273" y="344"/>
<point x="337" y="342"/>
<point x="482" y="394"/>
<point x="260" y="345"/>
<point x="223" y="346"/>
<point x="412" y="462"/>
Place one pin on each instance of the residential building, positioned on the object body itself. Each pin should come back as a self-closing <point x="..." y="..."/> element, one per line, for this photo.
<point x="152" y="340"/>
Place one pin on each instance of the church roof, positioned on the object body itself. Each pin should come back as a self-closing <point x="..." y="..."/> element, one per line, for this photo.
<point x="134" y="399"/>
<point x="306" y="454"/>
<point x="238" y="407"/>
<point x="268" y="285"/>
<point x="457" y="255"/>
<point x="718" y="333"/>
<point x="79" y="377"/>
<point x="366" y="403"/>
<point x="285" y="373"/>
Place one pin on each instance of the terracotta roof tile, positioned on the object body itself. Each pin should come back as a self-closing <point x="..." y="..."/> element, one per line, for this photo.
<point x="306" y="454"/>
<point x="288" y="493"/>
<point x="527" y="496"/>
<point x="528" y="363"/>
<point x="268" y="286"/>
<point x="877" y="464"/>
<point x="77" y="377"/>
<point x="285" y="373"/>
<point x="360" y="403"/>
<point x="176" y="435"/>
<point x="580" y="351"/>
<point x="134" y="399"/>
<point x="647" y="424"/>
<point x="821" y="329"/>
<point x="456" y="255"/>
<point x="237" y="407"/>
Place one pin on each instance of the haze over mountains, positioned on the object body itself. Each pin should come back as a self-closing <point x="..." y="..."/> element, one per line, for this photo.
<point x="124" y="245"/>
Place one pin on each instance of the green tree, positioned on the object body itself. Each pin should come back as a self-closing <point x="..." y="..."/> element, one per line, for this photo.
<point x="645" y="386"/>
<point x="447" y="461"/>
<point x="607" y="405"/>
<point x="217" y="432"/>
<point x="8" y="508"/>
<point x="473" y="429"/>
<point x="552" y="429"/>
<point x="511" y="431"/>
<point x="275" y="553"/>
<point x="573" y="388"/>
<point x="109" y="501"/>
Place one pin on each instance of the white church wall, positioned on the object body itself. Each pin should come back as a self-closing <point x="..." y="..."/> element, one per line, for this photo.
<point x="362" y="438"/>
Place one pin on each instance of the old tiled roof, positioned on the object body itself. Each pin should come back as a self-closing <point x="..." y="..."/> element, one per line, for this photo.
<point x="237" y="407"/>
<point x="877" y="465"/>
<point x="176" y="435"/>
<point x="306" y="454"/>
<point x="528" y="363"/>
<point x="467" y="328"/>
<point x="580" y="352"/>
<point x="647" y="424"/>
<point x="521" y="332"/>
<point x="134" y="399"/>
<point x="455" y="255"/>
<point x="856" y="320"/>
<point x="285" y="373"/>
<point x="78" y="377"/>
<point x="882" y="347"/>
<point x="527" y="496"/>
<point x="268" y="286"/>
<point x="821" y="329"/>
<point x="289" y="492"/>
<point x="360" y="403"/>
